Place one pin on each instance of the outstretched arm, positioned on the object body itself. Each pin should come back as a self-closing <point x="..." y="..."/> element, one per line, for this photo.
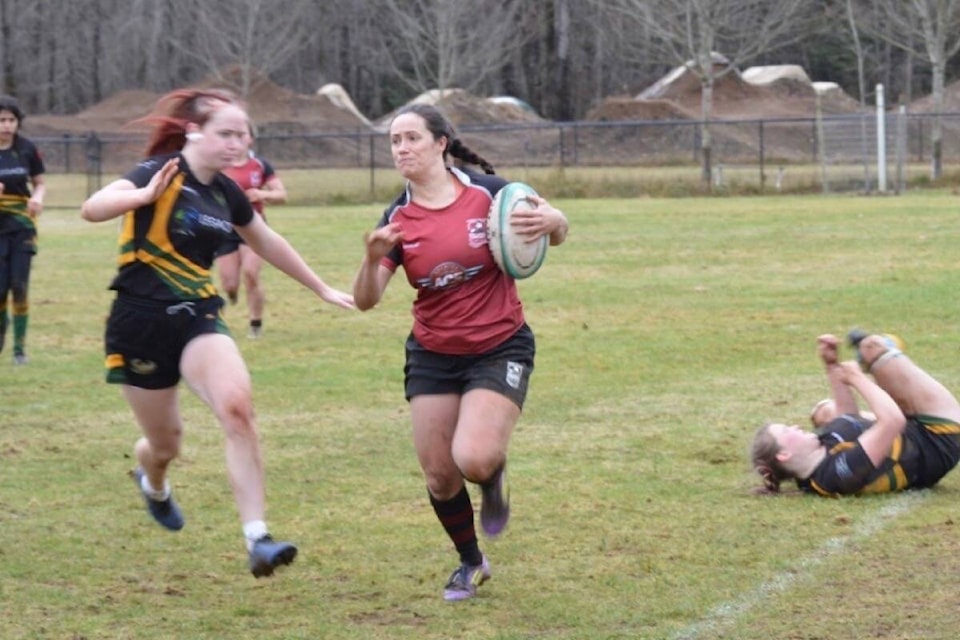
<point x="275" y="249"/>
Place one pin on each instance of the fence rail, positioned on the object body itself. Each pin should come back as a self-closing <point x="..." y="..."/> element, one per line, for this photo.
<point x="843" y="147"/>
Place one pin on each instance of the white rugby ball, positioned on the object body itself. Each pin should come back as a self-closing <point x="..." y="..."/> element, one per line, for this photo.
<point x="515" y="256"/>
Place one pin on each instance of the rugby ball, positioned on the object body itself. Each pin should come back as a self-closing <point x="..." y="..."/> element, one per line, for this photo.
<point x="515" y="256"/>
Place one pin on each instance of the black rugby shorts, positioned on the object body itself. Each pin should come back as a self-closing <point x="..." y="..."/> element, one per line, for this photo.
<point x="145" y="338"/>
<point x="505" y="369"/>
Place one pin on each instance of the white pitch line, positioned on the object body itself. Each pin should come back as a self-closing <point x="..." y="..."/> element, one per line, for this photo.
<point x="727" y="613"/>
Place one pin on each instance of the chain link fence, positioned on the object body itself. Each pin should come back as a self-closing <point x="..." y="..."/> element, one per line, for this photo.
<point x="835" y="153"/>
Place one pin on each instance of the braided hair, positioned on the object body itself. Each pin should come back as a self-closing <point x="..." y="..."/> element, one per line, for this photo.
<point x="440" y="127"/>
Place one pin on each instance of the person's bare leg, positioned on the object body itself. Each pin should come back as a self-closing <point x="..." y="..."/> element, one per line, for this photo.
<point x="213" y="367"/>
<point x="250" y="268"/>
<point x="229" y="267"/>
<point x="157" y="414"/>
<point x="913" y="389"/>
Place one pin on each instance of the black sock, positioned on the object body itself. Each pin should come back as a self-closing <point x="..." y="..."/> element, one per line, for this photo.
<point x="256" y="323"/>
<point x="456" y="516"/>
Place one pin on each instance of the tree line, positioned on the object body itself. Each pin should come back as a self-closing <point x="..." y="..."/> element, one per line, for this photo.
<point x="561" y="56"/>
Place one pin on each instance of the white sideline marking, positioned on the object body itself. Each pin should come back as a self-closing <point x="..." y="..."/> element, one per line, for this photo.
<point x="726" y="613"/>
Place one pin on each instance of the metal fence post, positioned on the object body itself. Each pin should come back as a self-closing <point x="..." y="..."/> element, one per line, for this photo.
<point x="93" y="148"/>
<point x="373" y="167"/>
<point x="763" y="176"/>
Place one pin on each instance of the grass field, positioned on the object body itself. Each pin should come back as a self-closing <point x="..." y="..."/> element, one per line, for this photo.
<point x="668" y="330"/>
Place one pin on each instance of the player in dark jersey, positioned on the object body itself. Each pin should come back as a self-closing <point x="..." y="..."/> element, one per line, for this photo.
<point x="470" y="354"/>
<point x="909" y="439"/>
<point x="21" y="170"/>
<point x="165" y="321"/>
<point x="235" y="260"/>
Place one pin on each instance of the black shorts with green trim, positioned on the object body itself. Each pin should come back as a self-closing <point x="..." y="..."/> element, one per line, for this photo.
<point x="145" y="338"/>
<point x="505" y="369"/>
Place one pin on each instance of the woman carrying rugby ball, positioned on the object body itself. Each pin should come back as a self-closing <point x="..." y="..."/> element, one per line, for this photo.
<point x="470" y="353"/>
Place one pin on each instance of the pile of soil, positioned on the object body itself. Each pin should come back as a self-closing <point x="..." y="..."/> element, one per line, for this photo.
<point x="321" y="128"/>
<point x="271" y="106"/>
<point x="733" y="98"/>
<point x="280" y="111"/>
<point x="463" y="108"/>
<point x="624" y="108"/>
<point x="115" y="115"/>
<point x="951" y="101"/>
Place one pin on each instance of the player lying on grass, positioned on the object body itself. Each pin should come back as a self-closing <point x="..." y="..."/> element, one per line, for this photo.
<point x="910" y="439"/>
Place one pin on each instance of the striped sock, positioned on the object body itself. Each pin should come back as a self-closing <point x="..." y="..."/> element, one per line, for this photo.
<point x="456" y="516"/>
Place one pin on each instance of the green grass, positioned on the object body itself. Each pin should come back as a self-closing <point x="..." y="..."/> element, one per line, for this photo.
<point x="667" y="331"/>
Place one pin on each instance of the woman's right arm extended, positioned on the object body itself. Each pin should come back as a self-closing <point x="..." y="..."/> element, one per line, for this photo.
<point x="121" y="196"/>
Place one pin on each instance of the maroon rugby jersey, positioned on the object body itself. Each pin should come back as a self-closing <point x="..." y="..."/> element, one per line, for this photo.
<point x="465" y="304"/>
<point x="252" y="174"/>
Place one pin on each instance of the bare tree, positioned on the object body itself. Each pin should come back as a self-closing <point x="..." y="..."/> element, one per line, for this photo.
<point x="254" y="35"/>
<point x="850" y="14"/>
<point x="355" y="55"/>
<point x="562" y="56"/>
<point x="933" y="23"/>
<point x="7" y="60"/>
<point x="442" y="44"/>
<point x="711" y="38"/>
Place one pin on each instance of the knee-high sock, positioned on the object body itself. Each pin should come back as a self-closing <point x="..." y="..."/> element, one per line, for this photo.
<point x="456" y="516"/>
<point x="21" y="315"/>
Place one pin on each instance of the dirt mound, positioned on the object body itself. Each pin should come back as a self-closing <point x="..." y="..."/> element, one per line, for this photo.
<point x="467" y="109"/>
<point x="835" y="100"/>
<point x="269" y="103"/>
<point x="951" y="101"/>
<point x="622" y="108"/>
<point x="463" y="108"/>
<point x="272" y="107"/>
<point x="775" y="92"/>
<point x="111" y="116"/>
<point x="734" y="97"/>
<point x="777" y="95"/>
<point x="124" y="105"/>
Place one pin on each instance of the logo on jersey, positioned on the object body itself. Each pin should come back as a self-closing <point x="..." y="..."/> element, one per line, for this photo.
<point x="18" y="171"/>
<point x="190" y="219"/>
<point x="447" y="275"/>
<point x="842" y="468"/>
<point x="476" y="232"/>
